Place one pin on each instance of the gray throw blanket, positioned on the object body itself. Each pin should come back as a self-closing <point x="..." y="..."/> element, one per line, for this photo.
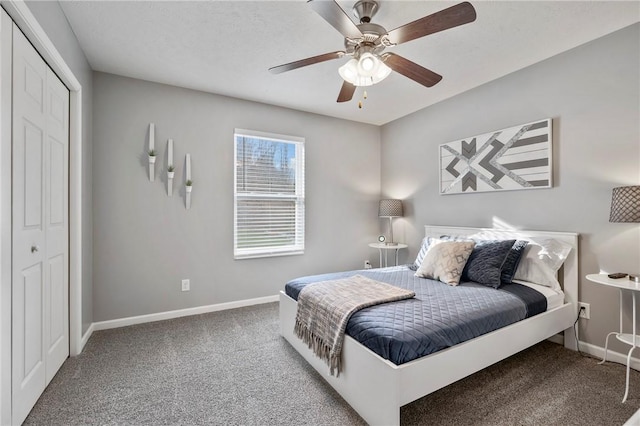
<point x="324" y="308"/>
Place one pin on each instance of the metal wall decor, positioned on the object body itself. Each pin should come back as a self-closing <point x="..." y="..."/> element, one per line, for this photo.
<point x="153" y="154"/>
<point x="152" y="151"/>
<point x="519" y="157"/>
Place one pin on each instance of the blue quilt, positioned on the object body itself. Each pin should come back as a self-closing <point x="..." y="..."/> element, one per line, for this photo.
<point x="440" y="316"/>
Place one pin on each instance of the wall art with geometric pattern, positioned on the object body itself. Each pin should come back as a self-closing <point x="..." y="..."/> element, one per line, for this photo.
<point x="515" y="158"/>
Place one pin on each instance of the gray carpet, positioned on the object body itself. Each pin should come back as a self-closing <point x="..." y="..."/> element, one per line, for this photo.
<point x="233" y="368"/>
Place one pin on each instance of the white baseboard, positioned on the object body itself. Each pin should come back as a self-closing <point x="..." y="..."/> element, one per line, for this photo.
<point x="612" y="356"/>
<point x="598" y="352"/>
<point x="85" y="336"/>
<point x="123" y="322"/>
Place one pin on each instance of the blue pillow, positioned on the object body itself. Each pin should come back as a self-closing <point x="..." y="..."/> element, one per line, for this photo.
<point x="485" y="264"/>
<point x="486" y="261"/>
<point x="512" y="261"/>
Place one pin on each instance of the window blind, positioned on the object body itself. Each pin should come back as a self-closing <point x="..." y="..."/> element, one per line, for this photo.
<point x="269" y="195"/>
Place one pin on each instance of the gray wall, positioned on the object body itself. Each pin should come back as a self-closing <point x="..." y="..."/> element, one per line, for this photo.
<point x="50" y="16"/>
<point x="592" y="94"/>
<point x="145" y="242"/>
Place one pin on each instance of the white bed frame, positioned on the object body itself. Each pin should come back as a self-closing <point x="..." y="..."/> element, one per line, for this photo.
<point x="377" y="388"/>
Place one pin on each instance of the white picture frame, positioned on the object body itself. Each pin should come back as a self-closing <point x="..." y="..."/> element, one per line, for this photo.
<point x="518" y="157"/>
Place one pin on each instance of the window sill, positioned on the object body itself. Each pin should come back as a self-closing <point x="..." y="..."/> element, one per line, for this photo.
<point x="270" y="254"/>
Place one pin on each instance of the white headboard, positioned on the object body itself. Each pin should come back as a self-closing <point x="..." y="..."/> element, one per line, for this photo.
<point x="569" y="271"/>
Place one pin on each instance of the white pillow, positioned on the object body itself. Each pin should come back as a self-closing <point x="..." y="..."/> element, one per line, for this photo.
<point x="424" y="245"/>
<point x="445" y="260"/>
<point x="541" y="260"/>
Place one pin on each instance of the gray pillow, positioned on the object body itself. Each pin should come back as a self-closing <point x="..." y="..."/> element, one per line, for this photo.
<point x="512" y="261"/>
<point x="486" y="261"/>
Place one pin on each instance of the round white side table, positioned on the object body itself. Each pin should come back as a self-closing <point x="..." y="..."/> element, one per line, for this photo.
<point x="386" y="247"/>
<point x="632" y="338"/>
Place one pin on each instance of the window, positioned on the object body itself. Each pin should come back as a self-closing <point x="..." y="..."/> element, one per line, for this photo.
<point x="269" y="195"/>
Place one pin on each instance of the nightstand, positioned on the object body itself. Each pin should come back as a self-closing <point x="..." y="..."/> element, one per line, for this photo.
<point x="631" y="339"/>
<point x="385" y="247"/>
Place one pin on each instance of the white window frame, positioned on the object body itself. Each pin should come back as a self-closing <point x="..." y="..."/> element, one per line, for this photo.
<point x="299" y="198"/>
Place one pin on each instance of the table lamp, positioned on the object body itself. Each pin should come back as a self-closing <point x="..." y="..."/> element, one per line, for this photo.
<point x="625" y="204"/>
<point x="625" y="207"/>
<point x="390" y="209"/>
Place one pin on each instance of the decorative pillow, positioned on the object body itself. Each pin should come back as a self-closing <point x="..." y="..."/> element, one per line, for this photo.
<point x="445" y="260"/>
<point x="511" y="262"/>
<point x="541" y="260"/>
<point x="424" y="246"/>
<point x="492" y="262"/>
<point x="485" y="263"/>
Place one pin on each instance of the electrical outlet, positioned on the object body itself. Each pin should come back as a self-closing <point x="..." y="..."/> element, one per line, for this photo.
<point x="585" y="310"/>
<point x="367" y="264"/>
<point x="186" y="285"/>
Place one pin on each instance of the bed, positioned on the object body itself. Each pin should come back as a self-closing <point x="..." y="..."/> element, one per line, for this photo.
<point x="376" y="388"/>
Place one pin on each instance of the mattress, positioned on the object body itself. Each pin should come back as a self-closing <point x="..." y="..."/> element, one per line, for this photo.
<point x="554" y="298"/>
<point x="440" y="316"/>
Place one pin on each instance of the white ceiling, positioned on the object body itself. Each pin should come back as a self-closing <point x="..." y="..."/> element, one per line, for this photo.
<point x="226" y="47"/>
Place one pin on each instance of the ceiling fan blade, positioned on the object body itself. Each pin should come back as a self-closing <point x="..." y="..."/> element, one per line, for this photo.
<point x="451" y="17"/>
<point x="346" y="92"/>
<point x="304" y="62"/>
<point x="411" y="70"/>
<point x="338" y="18"/>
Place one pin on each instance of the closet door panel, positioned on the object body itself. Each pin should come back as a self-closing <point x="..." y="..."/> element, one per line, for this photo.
<point x="32" y="147"/>
<point x="32" y="297"/>
<point x="40" y="240"/>
<point x="57" y="223"/>
<point x="28" y="230"/>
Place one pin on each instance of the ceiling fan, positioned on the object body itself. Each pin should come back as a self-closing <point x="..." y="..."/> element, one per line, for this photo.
<point x="366" y="43"/>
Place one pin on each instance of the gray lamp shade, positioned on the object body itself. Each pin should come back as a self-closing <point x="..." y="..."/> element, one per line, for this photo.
<point x="625" y="204"/>
<point x="390" y="208"/>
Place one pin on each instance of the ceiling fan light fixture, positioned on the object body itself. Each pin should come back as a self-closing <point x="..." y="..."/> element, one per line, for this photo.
<point x="382" y="72"/>
<point x="367" y="70"/>
<point x="349" y="71"/>
<point x="367" y="64"/>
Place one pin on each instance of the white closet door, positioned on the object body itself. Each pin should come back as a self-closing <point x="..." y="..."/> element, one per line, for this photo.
<point x="40" y="330"/>
<point x="56" y="224"/>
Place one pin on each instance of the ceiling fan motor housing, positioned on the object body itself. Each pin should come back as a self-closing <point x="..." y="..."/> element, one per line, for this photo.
<point x="364" y="10"/>
<point x="372" y="36"/>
